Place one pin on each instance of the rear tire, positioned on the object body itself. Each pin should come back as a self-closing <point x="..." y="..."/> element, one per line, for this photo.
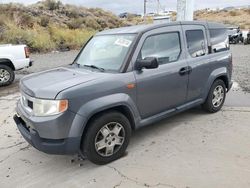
<point x="107" y="138"/>
<point x="216" y="97"/>
<point x="7" y="75"/>
<point x="245" y="42"/>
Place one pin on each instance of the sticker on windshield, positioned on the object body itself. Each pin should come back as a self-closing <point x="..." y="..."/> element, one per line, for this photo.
<point x="123" y="42"/>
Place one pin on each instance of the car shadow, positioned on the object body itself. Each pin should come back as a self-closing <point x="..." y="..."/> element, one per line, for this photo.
<point x="140" y="135"/>
<point x="138" y="138"/>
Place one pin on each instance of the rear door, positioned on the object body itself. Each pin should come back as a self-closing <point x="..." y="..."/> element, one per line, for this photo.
<point x="162" y="88"/>
<point x="197" y="59"/>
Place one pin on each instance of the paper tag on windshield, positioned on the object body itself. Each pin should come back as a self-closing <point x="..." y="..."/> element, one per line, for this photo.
<point x="123" y="42"/>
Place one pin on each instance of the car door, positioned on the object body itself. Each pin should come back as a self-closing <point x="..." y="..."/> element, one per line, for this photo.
<point x="165" y="87"/>
<point x="197" y="59"/>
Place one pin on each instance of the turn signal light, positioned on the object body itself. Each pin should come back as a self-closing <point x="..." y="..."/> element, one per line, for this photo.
<point x="63" y="105"/>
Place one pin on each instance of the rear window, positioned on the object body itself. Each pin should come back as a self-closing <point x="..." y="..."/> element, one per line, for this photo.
<point x="196" y="42"/>
<point x="219" y="40"/>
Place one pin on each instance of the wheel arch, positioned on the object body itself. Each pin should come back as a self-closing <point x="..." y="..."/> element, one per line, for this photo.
<point x="220" y="73"/>
<point x="224" y="78"/>
<point x="123" y="109"/>
<point x="7" y="62"/>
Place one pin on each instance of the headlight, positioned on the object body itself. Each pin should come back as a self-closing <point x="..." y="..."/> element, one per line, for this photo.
<point x="43" y="107"/>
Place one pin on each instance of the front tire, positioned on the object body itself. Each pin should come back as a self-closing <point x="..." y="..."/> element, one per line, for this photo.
<point x="107" y="138"/>
<point x="216" y="97"/>
<point x="7" y="75"/>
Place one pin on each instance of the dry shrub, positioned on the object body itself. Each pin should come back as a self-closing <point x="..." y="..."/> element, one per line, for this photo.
<point x="233" y="13"/>
<point x="49" y="25"/>
<point x="69" y="38"/>
<point x="44" y="22"/>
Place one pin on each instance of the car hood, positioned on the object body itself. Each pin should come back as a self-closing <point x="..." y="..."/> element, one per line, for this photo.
<point x="49" y="83"/>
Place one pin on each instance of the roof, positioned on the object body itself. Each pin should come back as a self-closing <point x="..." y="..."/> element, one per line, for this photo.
<point x="146" y="27"/>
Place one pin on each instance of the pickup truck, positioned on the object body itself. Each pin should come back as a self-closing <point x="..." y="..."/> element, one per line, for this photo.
<point x="12" y="58"/>
<point x="121" y="80"/>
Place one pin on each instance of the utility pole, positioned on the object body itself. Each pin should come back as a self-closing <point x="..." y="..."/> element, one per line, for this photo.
<point x="185" y="10"/>
<point x="145" y="10"/>
<point x="158" y="7"/>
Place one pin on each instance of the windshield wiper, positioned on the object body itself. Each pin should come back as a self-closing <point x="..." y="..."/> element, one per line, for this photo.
<point x="95" y="67"/>
<point x="78" y="64"/>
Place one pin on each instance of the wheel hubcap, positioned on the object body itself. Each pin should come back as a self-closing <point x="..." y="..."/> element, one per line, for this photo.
<point x="4" y="76"/>
<point x="218" y="96"/>
<point x="109" y="139"/>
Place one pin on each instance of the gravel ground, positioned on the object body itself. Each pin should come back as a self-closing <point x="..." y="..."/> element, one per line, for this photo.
<point x="241" y="62"/>
<point x="190" y="150"/>
<point x="41" y="62"/>
<point x="51" y="60"/>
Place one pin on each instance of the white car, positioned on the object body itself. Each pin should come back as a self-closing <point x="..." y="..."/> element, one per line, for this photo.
<point x="12" y="58"/>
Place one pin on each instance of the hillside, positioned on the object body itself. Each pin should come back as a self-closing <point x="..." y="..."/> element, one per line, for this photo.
<point x="50" y="25"/>
<point x="237" y="17"/>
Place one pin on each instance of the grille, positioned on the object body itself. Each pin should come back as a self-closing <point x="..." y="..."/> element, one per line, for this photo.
<point x="27" y="103"/>
<point x="30" y="104"/>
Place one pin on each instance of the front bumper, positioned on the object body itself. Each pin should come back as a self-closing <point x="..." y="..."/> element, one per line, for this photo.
<point x="50" y="146"/>
<point x="58" y="134"/>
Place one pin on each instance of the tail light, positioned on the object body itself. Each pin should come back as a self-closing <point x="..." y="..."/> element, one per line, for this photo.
<point x="27" y="52"/>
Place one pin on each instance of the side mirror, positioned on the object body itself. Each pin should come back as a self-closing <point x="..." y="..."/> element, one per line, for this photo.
<point x="148" y="63"/>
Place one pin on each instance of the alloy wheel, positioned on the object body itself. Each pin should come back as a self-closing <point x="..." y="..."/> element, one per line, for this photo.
<point x="109" y="139"/>
<point x="4" y="76"/>
<point x="218" y="96"/>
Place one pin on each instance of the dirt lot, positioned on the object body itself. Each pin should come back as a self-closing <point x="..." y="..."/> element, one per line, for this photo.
<point x="241" y="62"/>
<point x="190" y="150"/>
<point x="41" y="62"/>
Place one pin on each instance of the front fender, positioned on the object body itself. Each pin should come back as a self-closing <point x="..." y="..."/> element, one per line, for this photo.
<point x="107" y="102"/>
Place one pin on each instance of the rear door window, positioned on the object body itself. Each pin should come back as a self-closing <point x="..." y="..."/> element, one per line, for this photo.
<point x="196" y="42"/>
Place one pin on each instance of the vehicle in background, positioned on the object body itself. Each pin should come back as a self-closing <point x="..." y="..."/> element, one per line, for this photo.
<point x="12" y="58"/>
<point x="127" y="15"/>
<point x="247" y="39"/>
<point x="235" y="35"/>
<point x="121" y="80"/>
<point x="161" y="19"/>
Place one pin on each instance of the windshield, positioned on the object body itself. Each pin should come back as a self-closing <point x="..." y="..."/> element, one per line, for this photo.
<point x="106" y="52"/>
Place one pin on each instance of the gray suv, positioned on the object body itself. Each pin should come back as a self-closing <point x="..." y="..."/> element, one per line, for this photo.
<point x="123" y="79"/>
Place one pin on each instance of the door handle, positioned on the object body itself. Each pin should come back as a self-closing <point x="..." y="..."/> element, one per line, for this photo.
<point x="185" y="70"/>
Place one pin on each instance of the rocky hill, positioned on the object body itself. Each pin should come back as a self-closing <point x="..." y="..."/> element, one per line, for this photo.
<point x="237" y="17"/>
<point x="49" y="25"/>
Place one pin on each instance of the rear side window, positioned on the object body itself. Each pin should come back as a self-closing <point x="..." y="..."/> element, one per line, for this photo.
<point x="165" y="47"/>
<point x="219" y="40"/>
<point x="196" y="42"/>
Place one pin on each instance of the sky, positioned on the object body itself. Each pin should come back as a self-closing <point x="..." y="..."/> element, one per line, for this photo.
<point x="136" y="6"/>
